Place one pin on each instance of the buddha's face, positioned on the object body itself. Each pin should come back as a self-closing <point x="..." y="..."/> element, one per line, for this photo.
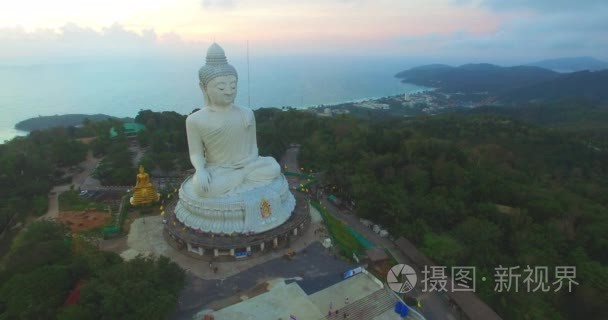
<point x="221" y="91"/>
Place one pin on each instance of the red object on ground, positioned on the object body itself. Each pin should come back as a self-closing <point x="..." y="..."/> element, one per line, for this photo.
<point x="74" y="296"/>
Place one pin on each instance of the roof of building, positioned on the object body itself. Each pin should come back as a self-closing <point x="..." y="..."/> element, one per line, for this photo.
<point x="129" y="127"/>
<point x="280" y="302"/>
<point x="360" y="296"/>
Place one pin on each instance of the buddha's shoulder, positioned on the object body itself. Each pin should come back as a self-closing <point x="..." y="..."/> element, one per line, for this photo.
<point x="243" y="109"/>
<point x="198" y="113"/>
<point x="199" y="116"/>
<point x="208" y="115"/>
<point x="248" y="112"/>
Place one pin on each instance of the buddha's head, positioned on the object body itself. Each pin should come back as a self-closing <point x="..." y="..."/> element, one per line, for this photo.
<point x="141" y="169"/>
<point x="218" y="79"/>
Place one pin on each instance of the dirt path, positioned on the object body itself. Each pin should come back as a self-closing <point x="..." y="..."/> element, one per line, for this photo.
<point x="53" y="210"/>
<point x="80" y="180"/>
<point x="84" y="179"/>
<point x="138" y="154"/>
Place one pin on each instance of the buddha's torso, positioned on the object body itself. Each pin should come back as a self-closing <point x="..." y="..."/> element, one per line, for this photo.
<point x="228" y="136"/>
<point x="142" y="179"/>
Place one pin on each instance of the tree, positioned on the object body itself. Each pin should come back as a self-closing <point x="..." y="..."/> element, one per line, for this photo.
<point x="36" y="294"/>
<point x="140" y="289"/>
<point x="444" y="248"/>
<point x="481" y="239"/>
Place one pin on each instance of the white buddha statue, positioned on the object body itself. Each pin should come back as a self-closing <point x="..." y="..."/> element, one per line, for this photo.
<point x="222" y="136"/>
<point x="233" y="189"/>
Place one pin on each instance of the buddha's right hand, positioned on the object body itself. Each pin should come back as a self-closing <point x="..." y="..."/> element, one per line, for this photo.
<point x="204" y="179"/>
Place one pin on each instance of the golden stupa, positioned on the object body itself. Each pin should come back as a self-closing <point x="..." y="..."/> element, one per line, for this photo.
<point x="144" y="191"/>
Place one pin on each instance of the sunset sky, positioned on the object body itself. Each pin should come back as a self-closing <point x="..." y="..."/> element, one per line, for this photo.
<point x="34" y="31"/>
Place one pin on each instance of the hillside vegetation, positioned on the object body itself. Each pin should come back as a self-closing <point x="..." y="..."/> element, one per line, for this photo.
<point x="511" y="85"/>
<point x="571" y="64"/>
<point x="479" y="190"/>
<point x="46" y="264"/>
<point x="473" y="78"/>
<point x="65" y="120"/>
<point x="48" y="273"/>
<point x="581" y="85"/>
<point x="503" y="187"/>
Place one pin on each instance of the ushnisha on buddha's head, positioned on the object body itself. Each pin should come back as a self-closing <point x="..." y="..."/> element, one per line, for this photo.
<point x="218" y="79"/>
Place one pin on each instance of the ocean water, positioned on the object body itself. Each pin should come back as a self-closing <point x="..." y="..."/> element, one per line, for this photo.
<point x="123" y="87"/>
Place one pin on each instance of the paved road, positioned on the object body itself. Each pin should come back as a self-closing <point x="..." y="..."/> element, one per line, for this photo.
<point x="138" y="154"/>
<point x="289" y="162"/>
<point x="84" y="180"/>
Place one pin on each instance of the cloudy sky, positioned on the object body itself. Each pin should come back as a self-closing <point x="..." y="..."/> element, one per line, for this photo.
<point x="38" y="31"/>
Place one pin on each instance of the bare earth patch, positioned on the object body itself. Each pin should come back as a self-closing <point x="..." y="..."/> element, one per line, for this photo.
<point x="79" y="221"/>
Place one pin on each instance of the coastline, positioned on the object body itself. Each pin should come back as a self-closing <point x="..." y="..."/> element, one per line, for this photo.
<point x="7" y="134"/>
<point x="420" y="89"/>
<point x="63" y="120"/>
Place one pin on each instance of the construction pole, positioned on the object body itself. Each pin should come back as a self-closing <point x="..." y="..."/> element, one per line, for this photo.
<point x="248" y="79"/>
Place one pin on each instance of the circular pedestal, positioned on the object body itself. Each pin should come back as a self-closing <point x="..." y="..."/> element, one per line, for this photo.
<point x="205" y="245"/>
<point x="252" y="211"/>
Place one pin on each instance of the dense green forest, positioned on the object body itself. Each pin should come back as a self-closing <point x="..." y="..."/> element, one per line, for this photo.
<point x="582" y="84"/>
<point x="481" y="190"/>
<point x="30" y="166"/>
<point x="577" y="115"/>
<point x="165" y="139"/>
<point x="581" y="119"/>
<point x="46" y="263"/>
<point x="496" y="186"/>
<point x="470" y="78"/>
<point x="512" y="85"/>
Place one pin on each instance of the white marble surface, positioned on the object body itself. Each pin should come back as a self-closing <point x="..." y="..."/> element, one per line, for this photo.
<point x="231" y="180"/>
<point x="238" y="212"/>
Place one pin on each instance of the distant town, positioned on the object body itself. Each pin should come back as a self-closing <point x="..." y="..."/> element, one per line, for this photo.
<point x="427" y="102"/>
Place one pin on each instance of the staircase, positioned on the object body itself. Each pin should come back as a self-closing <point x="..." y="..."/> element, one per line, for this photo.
<point x="369" y="307"/>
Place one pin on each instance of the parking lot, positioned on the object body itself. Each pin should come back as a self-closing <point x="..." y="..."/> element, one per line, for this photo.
<point x="314" y="268"/>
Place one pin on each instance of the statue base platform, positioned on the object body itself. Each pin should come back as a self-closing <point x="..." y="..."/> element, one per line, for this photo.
<point x="138" y="202"/>
<point x="252" y="211"/>
<point x="224" y="247"/>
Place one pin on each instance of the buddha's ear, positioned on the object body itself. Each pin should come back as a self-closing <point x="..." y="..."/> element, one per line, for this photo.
<point x="204" y="90"/>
